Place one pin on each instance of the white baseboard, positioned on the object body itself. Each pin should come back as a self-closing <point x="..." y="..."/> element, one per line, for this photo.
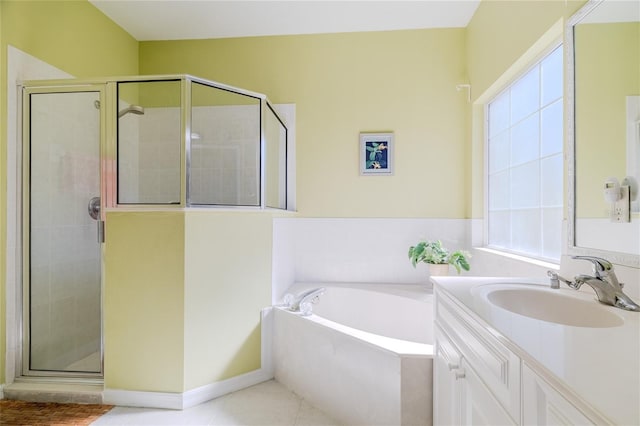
<point x="180" y="401"/>
<point x="190" y="398"/>
<point x="217" y="389"/>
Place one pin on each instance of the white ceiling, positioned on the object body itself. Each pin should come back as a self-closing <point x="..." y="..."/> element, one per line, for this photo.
<point x="201" y="19"/>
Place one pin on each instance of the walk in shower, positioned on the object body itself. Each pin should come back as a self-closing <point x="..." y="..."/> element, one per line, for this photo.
<point x="161" y="142"/>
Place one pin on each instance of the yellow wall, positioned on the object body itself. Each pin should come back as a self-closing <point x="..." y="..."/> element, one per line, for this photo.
<point x="72" y="36"/>
<point x="344" y="84"/>
<point x="607" y="70"/>
<point x="502" y="31"/>
<point x="227" y="283"/>
<point x="183" y="294"/>
<point x="502" y="38"/>
<point x="144" y="301"/>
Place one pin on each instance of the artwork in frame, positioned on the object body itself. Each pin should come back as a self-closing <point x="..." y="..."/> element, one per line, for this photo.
<point x="376" y="153"/>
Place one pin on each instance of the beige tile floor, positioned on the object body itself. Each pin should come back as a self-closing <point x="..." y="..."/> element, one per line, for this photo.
<point x="267" y="403"/>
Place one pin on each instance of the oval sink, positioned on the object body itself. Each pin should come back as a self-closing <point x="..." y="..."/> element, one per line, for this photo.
<point x="552" y="306"/>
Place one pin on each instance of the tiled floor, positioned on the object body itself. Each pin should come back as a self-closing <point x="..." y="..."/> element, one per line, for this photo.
<point x="267" y="403"/>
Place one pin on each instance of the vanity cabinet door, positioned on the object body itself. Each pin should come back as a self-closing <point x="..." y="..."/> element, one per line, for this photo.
<point x="543" y="405"/>
<point x="447" y="389"/>
<point x="495" y="365"/>
<point x="479" y="404"/>
<point x="460" y="397"/>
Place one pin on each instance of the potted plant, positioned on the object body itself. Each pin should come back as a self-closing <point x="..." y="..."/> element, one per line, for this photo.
<point x="438" y="258"/>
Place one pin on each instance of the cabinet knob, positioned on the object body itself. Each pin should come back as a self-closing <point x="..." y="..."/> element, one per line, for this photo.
<point x="459" y="374"/>
<point x="452" y="366"/>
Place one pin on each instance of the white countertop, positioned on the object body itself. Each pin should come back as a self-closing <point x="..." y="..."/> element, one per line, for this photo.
<point x="600" y="365"/>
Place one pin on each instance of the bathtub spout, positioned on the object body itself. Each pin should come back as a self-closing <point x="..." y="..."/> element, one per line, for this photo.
<point x="303" y="302"/>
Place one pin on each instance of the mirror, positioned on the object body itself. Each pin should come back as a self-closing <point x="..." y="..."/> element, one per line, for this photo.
<point x="603" y="52"/>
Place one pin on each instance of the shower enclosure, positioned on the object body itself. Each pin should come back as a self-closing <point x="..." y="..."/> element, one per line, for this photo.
<point x="161" y="142"/>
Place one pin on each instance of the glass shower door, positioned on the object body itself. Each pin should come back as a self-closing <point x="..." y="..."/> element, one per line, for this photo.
<point x="62" y="242"/>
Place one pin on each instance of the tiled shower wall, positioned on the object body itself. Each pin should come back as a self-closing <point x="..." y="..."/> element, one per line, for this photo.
<point x="225" y="156"/>
<point x="64" y="252"/>
<point x="128" y="147"/>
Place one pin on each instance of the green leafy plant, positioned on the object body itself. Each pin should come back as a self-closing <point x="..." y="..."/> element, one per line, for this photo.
<point x="433" y="252"/>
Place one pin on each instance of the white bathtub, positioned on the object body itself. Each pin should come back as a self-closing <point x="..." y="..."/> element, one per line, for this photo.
<point x="365" y="354"/>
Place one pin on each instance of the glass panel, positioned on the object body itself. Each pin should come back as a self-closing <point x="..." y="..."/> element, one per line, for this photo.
<point x="276" y="161"/>
<point x="525" y="168"/>
<point x="499" y="152"/>
<point x="552" y="187"/>
<point x="499" y="191"/>
<point x="552" y="77"/>
<point x="225" y="147"/>
<point x="525" y="141"/>
<point x="525" y="95"/>
<point x="525" y="185"/>
<point x="149" y="142"/>
<point x="551" y="129"/>
<point x="499" y="114"/>
<point x="526" y="231"/>
<point x="64" y="255"/>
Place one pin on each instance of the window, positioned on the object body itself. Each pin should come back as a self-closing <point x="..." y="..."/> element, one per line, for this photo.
<point x="525" y="163"/>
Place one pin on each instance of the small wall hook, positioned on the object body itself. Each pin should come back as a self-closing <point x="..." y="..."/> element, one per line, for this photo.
<point x="459" y="88"/>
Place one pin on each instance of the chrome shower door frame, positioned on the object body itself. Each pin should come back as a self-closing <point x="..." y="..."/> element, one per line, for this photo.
<point x="24" y="360"/>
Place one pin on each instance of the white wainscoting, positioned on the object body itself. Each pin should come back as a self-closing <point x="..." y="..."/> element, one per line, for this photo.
<point x="372" y="250"/>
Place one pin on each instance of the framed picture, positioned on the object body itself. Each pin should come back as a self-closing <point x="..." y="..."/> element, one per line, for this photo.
<point x="376" y="153"/>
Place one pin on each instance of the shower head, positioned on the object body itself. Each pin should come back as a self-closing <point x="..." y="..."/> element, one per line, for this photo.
<point x="133" y="109"/>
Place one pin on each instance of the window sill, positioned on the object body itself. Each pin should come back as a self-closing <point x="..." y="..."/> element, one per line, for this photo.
<point x="530" y="260"/>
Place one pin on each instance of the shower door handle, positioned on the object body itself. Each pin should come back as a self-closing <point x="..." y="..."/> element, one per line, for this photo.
<point x="94" y="211"/>
<point x="101" y="231"/>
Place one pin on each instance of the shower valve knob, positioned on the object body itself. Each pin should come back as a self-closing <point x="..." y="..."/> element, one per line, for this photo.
<point x="94" y="208"/>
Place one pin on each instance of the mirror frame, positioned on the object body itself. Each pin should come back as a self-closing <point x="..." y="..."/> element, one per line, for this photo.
<point x="626" y="259"/>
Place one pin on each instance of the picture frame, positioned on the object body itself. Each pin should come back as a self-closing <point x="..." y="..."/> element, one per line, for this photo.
<point x="376" y="153"/>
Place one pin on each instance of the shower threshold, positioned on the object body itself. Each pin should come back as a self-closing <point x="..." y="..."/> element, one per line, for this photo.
<point x="80" y="391"/>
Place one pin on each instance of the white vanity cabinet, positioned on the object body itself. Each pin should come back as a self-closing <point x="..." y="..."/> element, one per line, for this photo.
<point x="462" y="398"/>
<point x="479" y="404"/>
<point x="447" y="373"/>
<point x="543" y="405"/>
<point x="478" y="380"/>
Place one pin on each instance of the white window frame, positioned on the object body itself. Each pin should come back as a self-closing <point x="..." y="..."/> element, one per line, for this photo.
<point x="535" y="62"/>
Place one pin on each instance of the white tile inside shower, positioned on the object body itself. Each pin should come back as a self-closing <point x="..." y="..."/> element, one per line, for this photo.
<point x="64" y="252"/>
<point x="128" y="156"/>
<point x="225" y="155"/>
<point x="159" y="155"/>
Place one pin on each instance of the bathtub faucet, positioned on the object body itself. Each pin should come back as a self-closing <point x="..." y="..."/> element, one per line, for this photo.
<point x="302" y="303"/>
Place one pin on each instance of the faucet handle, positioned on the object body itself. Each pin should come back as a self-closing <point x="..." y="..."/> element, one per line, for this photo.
<point x="601" y="266"/>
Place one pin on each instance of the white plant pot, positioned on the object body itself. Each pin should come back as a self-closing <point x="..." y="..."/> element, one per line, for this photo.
<point x="440" y="269"/>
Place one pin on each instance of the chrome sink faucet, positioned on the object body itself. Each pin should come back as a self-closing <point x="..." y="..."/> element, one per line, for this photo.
<point x="604" y="282"/>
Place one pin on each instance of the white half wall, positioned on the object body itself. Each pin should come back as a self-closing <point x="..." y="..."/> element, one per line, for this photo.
<point x="372" y="250"/>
